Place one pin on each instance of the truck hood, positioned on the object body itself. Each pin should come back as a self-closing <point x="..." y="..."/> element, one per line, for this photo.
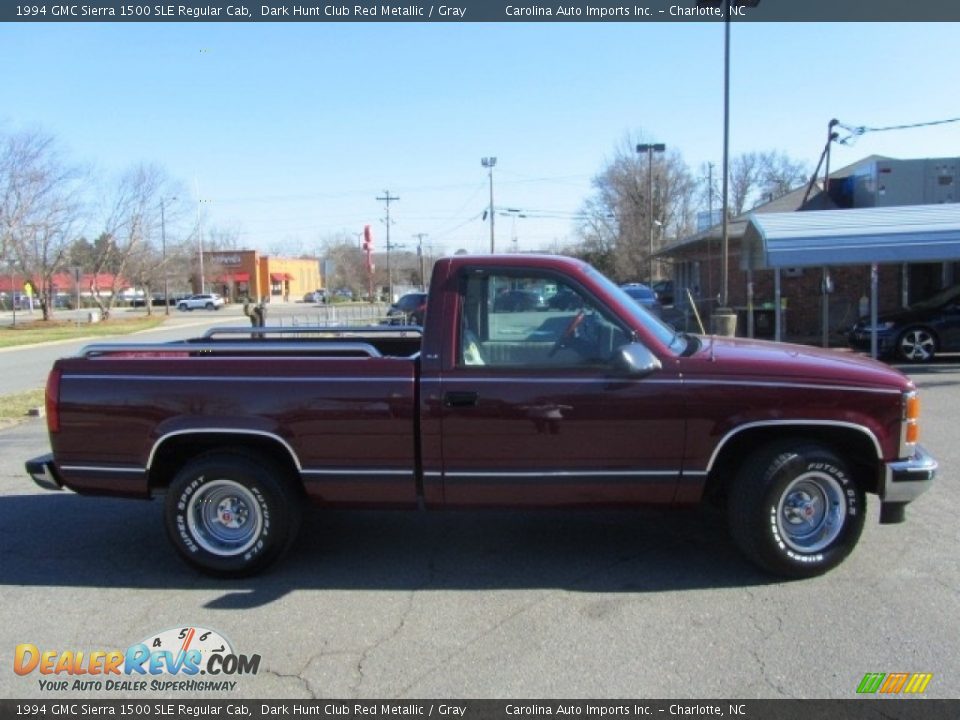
<point x="759" y="359"/>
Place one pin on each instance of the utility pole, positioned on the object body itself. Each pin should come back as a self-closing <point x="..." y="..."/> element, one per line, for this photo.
<point x="420" y="237"/>
<point x="387" y="198"/>
<point x="490" y="163"/>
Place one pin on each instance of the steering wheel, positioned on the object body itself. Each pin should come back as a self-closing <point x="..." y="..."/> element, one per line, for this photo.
<point x="567" y="334"/>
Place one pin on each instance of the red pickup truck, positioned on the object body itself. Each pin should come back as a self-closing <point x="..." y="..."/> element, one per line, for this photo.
<point x="582" y="399"/>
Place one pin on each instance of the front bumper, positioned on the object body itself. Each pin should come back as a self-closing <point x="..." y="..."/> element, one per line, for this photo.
<point x="906" y="480"/>
<point x="44" y="472"/>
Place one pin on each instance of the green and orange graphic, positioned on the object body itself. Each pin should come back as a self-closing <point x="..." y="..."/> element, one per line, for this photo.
<point x="894" y="683"/>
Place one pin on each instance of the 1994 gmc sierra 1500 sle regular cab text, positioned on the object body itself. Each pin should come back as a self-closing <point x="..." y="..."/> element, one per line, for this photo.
<point x="586" y="403"/>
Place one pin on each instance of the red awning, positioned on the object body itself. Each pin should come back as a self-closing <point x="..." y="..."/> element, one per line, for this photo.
<point x="234" y="277"/>
<point x="280" y="277"/>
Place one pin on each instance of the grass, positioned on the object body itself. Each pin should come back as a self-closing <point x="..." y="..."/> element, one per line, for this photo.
<point x="14" y="408"/>
<point x="40" y="331"/>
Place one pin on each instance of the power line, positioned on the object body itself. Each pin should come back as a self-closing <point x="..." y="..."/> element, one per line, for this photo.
<point x="859" y="130"/>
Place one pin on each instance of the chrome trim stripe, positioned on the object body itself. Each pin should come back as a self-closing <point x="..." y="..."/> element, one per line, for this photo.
<point x="223" y="431"/>
<point x="565" y="473"/>
<point x="236" y="378"/>
<point x="99" y="468"/>
<point x="783" y="423"/>
<point x="367" y="471"/>
<point x="797" y="385"/>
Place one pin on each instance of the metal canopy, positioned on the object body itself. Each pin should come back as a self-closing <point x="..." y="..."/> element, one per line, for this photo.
<point x="910" y="233"/>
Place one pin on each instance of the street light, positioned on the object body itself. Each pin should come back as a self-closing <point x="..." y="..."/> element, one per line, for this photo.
<point x="650" y="149"/>
<point x="490" y="163"/>
<point x="163" y="240"/>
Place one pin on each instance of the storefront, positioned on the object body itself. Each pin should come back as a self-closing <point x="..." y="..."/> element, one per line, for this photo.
<point x="238" y="274"/>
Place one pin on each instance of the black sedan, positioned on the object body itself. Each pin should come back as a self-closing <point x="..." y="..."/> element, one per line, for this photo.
<point x="917" y="333"/>
<point x="408" y="310"/>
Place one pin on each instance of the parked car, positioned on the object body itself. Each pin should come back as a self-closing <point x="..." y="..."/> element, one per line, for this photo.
<point x="917" y="333"/>
<point x="205" y="301"/>
<point x="566" y="300"/>
<point x="664" y="291"/>
<point x="408" y="310"/>
<point x="519" y="301"/>
<point x="644" y="296"/>
<point x="316" y="296"/>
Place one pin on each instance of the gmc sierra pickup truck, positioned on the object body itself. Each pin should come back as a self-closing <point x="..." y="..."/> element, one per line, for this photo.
<point x="582" y="399"/>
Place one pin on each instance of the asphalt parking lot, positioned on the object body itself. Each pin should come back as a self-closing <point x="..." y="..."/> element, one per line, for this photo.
<point x="456" y="605"/>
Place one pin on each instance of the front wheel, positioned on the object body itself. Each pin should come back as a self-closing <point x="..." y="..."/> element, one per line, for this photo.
<point x="795" y="510"/>
<point x="232" y="514"/>
<point x="916" y="344"/>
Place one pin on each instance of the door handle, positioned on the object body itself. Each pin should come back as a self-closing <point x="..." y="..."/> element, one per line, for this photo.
<point x="460" y="399"/>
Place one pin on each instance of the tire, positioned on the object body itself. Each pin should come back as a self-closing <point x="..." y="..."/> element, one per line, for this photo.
<point x="182" y="307"/>
<point x="208" y="306"/>
<point x="916" y="344"/>
<point x="795" y="509"/>
<point x="232" y="514"/>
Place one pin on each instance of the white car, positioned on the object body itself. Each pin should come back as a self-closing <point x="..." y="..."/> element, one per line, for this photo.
<point x="207" y="301"/>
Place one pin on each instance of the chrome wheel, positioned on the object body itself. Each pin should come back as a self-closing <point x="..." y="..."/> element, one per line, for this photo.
<point x="224" y="518"/>
<point x="917" y="345"/>
<point x="811" y="512"/>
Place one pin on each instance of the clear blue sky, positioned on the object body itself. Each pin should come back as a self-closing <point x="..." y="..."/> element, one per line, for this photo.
<point x="290" y="131"/>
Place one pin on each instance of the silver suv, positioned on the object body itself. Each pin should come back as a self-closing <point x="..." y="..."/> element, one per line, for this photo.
<point x="207" y="301"/>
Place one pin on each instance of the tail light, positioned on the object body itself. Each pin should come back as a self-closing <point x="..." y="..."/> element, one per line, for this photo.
<point x="52" y="401"/>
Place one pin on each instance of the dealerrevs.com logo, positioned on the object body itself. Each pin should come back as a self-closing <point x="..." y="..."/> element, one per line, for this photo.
<point x="180" y="659"/>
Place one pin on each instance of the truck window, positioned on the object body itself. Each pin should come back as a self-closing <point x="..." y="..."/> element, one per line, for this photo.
<point x="532" y="320"/>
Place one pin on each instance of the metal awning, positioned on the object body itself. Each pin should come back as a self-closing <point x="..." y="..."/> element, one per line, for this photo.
<point x="910" y="233"/>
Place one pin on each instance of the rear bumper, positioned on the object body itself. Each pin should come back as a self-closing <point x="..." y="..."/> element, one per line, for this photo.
<point x="44" y="472"/>
<point x="906" y="480"/>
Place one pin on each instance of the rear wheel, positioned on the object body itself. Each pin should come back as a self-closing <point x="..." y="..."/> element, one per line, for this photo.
<point x="208" y="306"/>
<point x="232" y="514"/>
<point x="795" y="509"/>
<point x="916" y="344"/>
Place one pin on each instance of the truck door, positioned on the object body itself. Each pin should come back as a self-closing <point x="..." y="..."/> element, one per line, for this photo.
<point x="534" y="411"/>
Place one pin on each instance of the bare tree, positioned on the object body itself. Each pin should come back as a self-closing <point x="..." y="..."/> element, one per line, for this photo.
<point x="132" y="227"/>
<point x="745" y="173"/>
<point x="616" y="220"/>
<point x="779" y="174"/>
<point x="39" y="209"/>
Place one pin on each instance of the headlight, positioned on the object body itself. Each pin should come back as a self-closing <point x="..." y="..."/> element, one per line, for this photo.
<point x="867" y="327"/>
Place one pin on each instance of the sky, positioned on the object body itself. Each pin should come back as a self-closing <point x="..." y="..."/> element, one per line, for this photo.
<point x="284" y="134"/>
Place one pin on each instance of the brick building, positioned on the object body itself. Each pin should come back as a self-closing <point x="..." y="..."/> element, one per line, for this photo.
<point x="872" y="182"/>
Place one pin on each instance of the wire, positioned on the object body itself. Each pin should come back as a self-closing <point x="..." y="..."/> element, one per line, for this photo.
<point x="859" y="130"/>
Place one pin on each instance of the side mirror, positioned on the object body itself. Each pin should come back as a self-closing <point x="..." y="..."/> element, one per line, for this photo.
<point x="636" y="360"/>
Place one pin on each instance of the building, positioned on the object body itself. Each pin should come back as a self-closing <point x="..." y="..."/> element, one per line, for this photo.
<point x="238" y="274"/>
<point x="872" y="182"/>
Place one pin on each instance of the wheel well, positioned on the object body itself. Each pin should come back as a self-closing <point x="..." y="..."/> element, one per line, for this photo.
<point x="855" y="447"/>
<point x="175" y="452"/>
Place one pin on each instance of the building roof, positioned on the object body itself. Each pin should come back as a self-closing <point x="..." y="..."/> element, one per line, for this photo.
<point x="907" y="233"/>
<point x="789" y="203"/>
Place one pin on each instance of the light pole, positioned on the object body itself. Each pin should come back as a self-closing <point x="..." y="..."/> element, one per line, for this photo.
<point x="650" y="149"/>
<point x="490" y="163"/>
<point x="420" y="237"/>
<point x="163" y="242"/>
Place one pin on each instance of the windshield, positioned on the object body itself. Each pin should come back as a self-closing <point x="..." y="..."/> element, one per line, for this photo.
<point x="666" y="334"/>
